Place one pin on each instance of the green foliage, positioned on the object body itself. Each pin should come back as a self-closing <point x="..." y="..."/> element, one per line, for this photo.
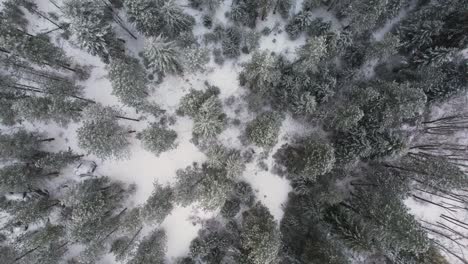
<point x="91" y="25"/>
<point x="128" y="80"/>
<point x="92" y="203"/>
<point x="101" y="134"/>
<point x="157" y="138"/>
<point x="159" y="204"/>
<point x="208" y="186"/>
<point x="163" y="56"/>
<point x="210" y="119"/>
<point x="230" y="160"/>
<point x="155" y="17"/>
<point x="151" y="249"/>
<point x="231" y="42"/>
<point x="260" y="236"/>
<point x="19" y="145"/>
<point x="263" y="131"/>
<point x="193" y="100"/>
<point x="307" y="158"/>
<point x="206" y="110"/>
<point x="262" y="73"/>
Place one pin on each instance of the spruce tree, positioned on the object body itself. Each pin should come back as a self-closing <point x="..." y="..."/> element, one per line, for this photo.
<point x="102" y="135"/>
<point x="163" y="56"/>
<point x="157" y="138"/>
<point x="263" y="131"/>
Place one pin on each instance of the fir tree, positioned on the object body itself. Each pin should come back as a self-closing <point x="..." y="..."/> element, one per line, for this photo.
<point x="151" y="249"/>
<point x="307" y="158"/>
<point x="259" y="235"/>
<point x="159" y="204"/>
<point x="262" y="73"/>
<point x="158" y="139"/>
<point x="263" y="131"/>
<point x="208" y="186"/>
<point x="128" y="80"/>
<point x="101" y="134"/>
<point x="162" y="56"/>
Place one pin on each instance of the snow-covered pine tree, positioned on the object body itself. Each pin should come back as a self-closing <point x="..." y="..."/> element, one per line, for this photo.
<point x="262" y="73"/>
<point x="157" y="138"/>
<point x="260" y="237"/>
<point x="102" y="135"/>
<point x="162" y="56"/>
<point x="263" y="131"/>
<point x="159" y="204"/>
<point x="152" y="249"/>
<point x="129" y="82"/>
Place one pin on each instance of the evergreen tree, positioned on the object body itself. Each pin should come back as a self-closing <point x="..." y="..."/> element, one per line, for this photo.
<point x="92" y="205"/>
<point x="263" y="131"/>
<point x="194" y="99"/>
<point x="307" y="158"/>
<point x="159" y="204"/>
<point x="230" y="160"/>
<point x="128" y="80"/>
<point x="259" y="235"/>
<point x="20" y="144"/>
<point x="151" y="249"/>
<point x="91" y="25"/>
<point x="155" y="17"/>
<point x="262" y="73"/>
<point x="163" y="56"/>
<point x="208" y="186"/>
<point x="101" y="134"/>
<point x="158" y="139"/>
<point x="210" y="119"/>
<point x="311" y="54"/>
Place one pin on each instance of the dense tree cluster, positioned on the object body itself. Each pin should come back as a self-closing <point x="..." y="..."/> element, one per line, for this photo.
<point x="367" y="85"/>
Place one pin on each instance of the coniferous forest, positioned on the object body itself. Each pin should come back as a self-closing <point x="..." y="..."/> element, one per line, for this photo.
<point x="233" y="131"/>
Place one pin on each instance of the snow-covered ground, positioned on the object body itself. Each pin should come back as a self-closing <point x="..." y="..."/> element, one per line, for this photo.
<point x="143" y="168"/>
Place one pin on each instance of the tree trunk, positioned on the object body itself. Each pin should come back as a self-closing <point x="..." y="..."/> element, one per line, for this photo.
<point x="128" y="118"/>
<point x="47" y="140"/>
<point x="25" y="254"/>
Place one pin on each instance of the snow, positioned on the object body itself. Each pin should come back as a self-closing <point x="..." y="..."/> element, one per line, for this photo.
<point x="142" y="167"/>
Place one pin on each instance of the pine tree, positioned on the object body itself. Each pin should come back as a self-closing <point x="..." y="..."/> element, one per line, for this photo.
<point x="157" y="138"/>
<point x="212" y="244"/>
<point x="129" y="82"/>
<point x="210" y="119"/>
<point x="175" y="21"/>
<point x="90" y="22"/>
<point x="162" y="56"/>
<point x="159" y="204"/>
<point x="44" y="246"/>
<point x="230" y="160"/>
<point x="195" y="59"/>
<point x="153" y="18"/>
<point x="53" y="162"/>
<point x="101" y="134"/>
<point x="311" y="54"/>
<point x="151" y="249"/>
<point x="307" y="158"/>
<point x="191" y="103"/>
<point x="19" y="145"/>
<point x="231" y="42"/>
<point x="210" y="187"/>
<point x="263" y="131"/>
<point x="92" y="204"/>
<point x="260" y="236"/>
<point x="262" y="73"/>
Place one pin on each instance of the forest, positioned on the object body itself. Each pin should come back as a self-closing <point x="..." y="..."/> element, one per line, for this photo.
<point x="233" y="131"/>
